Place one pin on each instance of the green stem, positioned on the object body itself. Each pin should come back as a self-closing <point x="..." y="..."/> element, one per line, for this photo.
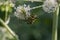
<point x="6" y="14"/>
<point x="55" y="24"/>
<point x="36" y="7"/>
<point x="8" y="29"/>
<point x="59" y="4"/>
<point x="35" y="0"/>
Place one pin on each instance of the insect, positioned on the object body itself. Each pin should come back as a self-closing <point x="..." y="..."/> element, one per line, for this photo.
<point x="31" y="19"/>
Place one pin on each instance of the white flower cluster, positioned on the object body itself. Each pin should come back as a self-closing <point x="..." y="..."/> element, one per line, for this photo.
<point x="22" y="12"/>
<point x="10" y="3"/>
<point x="6" y="5"/>
<point x="50" y="6"/>
<point x="4" y="34"/>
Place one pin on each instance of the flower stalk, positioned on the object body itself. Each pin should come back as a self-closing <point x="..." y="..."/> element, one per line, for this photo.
<point x="6" y="15"/>
<point x="36" y="7"/>
<point x="55" y="24"/>
<point x="8" y="29"/>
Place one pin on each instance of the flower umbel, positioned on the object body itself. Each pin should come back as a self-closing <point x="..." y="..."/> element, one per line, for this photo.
<point x="6" y="6"/>
<point x="4" y="34"/>
<point x="22" y="12"/>
<point x="50" y="6"/>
